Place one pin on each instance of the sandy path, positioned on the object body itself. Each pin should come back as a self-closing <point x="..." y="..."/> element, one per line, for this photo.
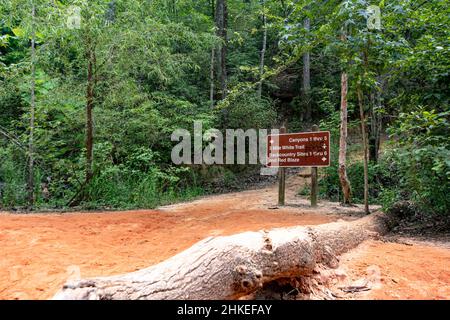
<point x="399" y="271"/>
<point x="39" y="252"/>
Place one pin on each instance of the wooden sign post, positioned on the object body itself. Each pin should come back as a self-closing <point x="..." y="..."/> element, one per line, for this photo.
<point x="314" y="178"/>
<point x="282" y="179"/>
<point x="306" y="149"/>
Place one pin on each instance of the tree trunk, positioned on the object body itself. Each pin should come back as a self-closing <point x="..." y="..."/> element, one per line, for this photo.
<point x="234" y="266"/>
<point x="221" y="18"/>
<point x="263" y="53"/>
<point x="211" y="79"/>
<point x="375" y="124"/>
<point x="89" y="107"/>
<point x="372" y="130"/>
<point x="30" y="184"/>
<point x="345" y="183"/>
<point x="213" y="53"/>
<point x="307" y="76"/>
<point x="365" y="148"/>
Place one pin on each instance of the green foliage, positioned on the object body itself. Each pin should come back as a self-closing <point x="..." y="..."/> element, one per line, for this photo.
<point x="122" y="187"/>
<point x="422" y="156"/>
<point x="12" y="178"/>
<point x="152" y="75"/>
<point x="250" y="112"/>
<point x="382" y="180"/>
<point x="416" y="167"/>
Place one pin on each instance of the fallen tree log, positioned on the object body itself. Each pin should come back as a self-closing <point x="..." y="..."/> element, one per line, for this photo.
<point x="234" y="266"/>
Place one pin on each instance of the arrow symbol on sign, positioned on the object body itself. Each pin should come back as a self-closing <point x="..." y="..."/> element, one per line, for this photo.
<point x="324" y="159"/>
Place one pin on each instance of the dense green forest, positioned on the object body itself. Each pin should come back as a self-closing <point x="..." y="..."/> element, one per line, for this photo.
<point x="90" y="92"/>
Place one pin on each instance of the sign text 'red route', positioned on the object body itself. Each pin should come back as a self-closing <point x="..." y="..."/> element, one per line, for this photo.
<point x="308" y="149"/>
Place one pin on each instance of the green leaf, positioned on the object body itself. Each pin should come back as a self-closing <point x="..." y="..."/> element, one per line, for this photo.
<point x="18" y="32"/>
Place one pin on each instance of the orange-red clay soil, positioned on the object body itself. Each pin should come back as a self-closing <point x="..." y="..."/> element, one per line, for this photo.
<point x="39" y="252"/>
<point x="399" y="271"/>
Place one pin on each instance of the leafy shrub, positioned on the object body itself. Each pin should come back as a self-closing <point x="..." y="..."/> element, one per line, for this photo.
<point x="12" y="179"/>
<point x="248" y="112"/>
<point x="382" y="177"/>
<point x="122" y="187"/>
<point x="423" y="160"/>
<point x="414" y="170"/>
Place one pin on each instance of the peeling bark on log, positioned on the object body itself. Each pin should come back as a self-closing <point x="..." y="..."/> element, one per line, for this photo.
<point x="234" y="266"/>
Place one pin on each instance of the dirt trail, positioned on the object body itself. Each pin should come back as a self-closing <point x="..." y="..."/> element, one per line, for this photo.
<point x="398" y="271"/>
<point x="39" y="252"/>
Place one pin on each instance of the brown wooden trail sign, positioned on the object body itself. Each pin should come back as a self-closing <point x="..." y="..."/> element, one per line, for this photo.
<point x="304" y="149"/>
<point x="307" y="149"/>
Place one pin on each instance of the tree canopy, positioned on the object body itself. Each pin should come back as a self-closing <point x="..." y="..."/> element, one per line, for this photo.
<point x="114" y="78"/>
